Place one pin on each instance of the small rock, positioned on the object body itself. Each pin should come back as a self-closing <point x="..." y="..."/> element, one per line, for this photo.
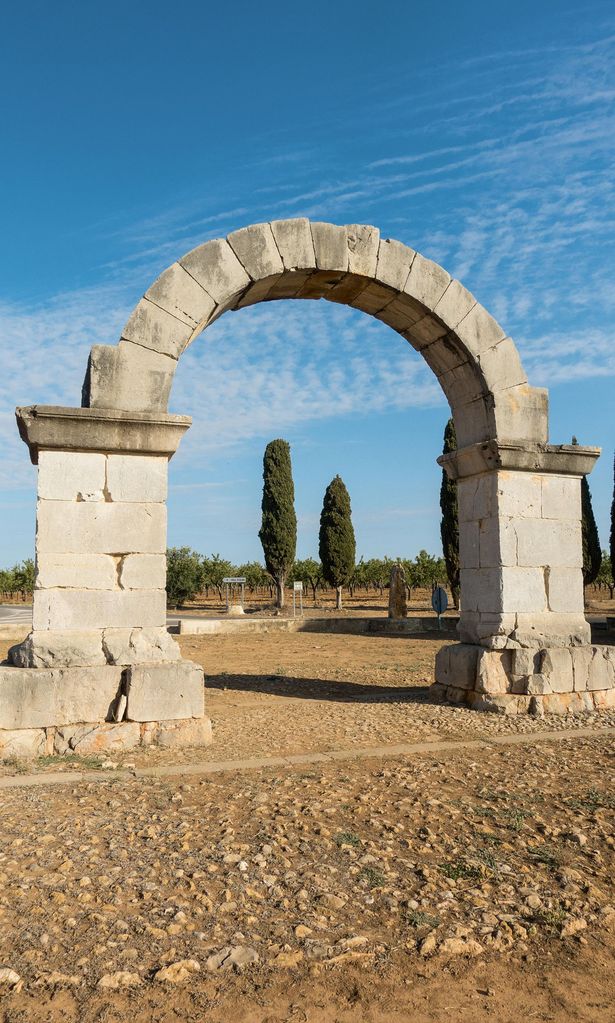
<point x="56" y="979"/>
<point x="236" y="956"/>
<point x="534" y="901"/>
<point x="177" y="972"/>
<point x="288" y="960"/>
<point x="301" y="931"/>
<point x="120" y="979"/>
<point x="572" y="927"/>
<point x="9" y="978"/>
<point x="428" y="945"/>
<point x="333" y="901"/>
<point x="460" y="947"/>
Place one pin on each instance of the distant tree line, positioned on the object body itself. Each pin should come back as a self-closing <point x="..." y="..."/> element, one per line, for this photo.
<point x="17" y="580"/>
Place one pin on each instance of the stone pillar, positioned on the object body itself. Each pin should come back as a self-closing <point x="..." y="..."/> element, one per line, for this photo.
<point x="525" y="642"/>
<point x="99" y="650"/>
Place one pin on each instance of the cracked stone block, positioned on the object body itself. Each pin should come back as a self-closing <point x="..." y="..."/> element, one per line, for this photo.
<point x="133" y="646"/>
<point x="71" y="476"/>
<point x="158" y="692"/>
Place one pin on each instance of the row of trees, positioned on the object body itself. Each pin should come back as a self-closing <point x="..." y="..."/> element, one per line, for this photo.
<point x="17" y="580"/>
<point x="189" y="574"/>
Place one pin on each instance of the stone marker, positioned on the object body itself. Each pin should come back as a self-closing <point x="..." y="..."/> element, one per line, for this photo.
<point x="398" y="600"/>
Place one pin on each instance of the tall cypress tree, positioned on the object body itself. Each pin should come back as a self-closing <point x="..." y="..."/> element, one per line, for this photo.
<point x="449" y="524"/>
<point x="613" y="527"/>
<point x="278" y="532"/>
<point x="337" y="547"/>
<point x="592" y="554"/>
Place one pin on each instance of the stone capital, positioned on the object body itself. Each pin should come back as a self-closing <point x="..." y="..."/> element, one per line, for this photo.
<point x="48" y="427"/>
<point x="487" y="456"/>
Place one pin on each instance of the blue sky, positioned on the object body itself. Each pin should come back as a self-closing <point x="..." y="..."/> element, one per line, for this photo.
<point x="481" y="134"/>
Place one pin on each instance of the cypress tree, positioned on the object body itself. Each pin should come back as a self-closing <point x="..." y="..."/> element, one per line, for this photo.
<point x="449" y="524"/>
<point x="613" y="527"/>
<point x="592" y="554"/>
<point x="278" y="532"/>
<point x="337" y="547"/>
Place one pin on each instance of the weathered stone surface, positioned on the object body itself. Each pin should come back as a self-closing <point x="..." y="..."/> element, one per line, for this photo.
<point x="23" y="743"/>
<point x="98" y="738"/>
<point x="456" y="665"/>
<point x="137" y="478"/>
<point x="143" y="572"/>
<point x="216" y="268"/>
<point x="155" y="329"/>
<point x="71" y="476"/>
<point x="455" y="303"/>
<point x="363" y="241"/>
<point x="561" y="497"/>
<point x="46" y="649"/>
<point x="398" y="599"/>
<point x="426" y="282"/>
<point x="179" y="294"/>
<point x="394" y="262"/>
<point x="330" y="246"/>
<point x="66" y="527"/>
<point x="257" y="251"/>
<point x="493" y="674"/>
<point x="295" y="244"/>
<point x="129" y="377"/>
<point x="165" y="691"/>
<point x="41" y="697"/>
<point x="98" y="609"/>
<point x="135" y="646"/>
<point x="193" y="732"/>
<point x="79" y="571"/>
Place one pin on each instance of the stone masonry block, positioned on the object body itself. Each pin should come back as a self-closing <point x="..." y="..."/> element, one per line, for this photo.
<point x="129" y="377"/>
<point x="143" y="572"/>
<point x="216" y="268"/>
<point x="23" y="743"/>
<point x="394" y="262"/>
<point x="550" y="629"/>
<point x="565" y="589"/>
<point x="561" y="497"/>
<point x="152" y="327"/>
<point x="178" y="293"/>
<point x="501" y="365"/>
<point x="455" y="303"/>
<point x="165" y="691"/>
<point x="45" y="649"/>
<point x="373" y="299"/>
<point x="493" y="674"/>
<point x="519" y="494"/>
<point x="42" y="697"/>
<point x="330" y="246"/>
<point x="71" y="476"/>
<point x="477" y="497"/>
<point x="134" y="646"/>
<point x="481" y="589"/>
<point x="427" y="281"/>
<point x="192" y="732"/>
<point x="523" y="589"/>
<point x="469" y="545"/>
<point x="461" y="385"/>
<point x="75" y="571"/>
<point x="88" y="739"/>
<point x="548" y="542"/>
<point x="456" y="665"/>
<point x="521" y="413"/>
<point x="601" y="670"/>
<point x="99" y="609"/>
<point x="478" y="330"/>
<point x="556" y="666"/>
<point x="295" y="245"/>
<point x="64" y="527"/>
<point x="525" y="662"/>
<point x="401" y="313"/>
<point x="474" y="422"/>
<point x="363" y="242"/>
<point x="257" y="251"/>
<point x="137" y="478"/>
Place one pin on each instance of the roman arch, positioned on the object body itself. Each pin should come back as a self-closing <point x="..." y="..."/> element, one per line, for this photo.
<point x="99" y="666"/>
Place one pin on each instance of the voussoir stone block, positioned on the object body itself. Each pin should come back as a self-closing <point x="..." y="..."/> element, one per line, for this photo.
<point x="143" y="572"/>
<point x="129" y="377"/>
<point x="330" y="246"/>
<point x="455" y="303"/>
<point x="156" y="329"/>
<point x="178" y="293"/>
<point x="394" y="262"/>
<point x="216" y="268"/>
<point x="55" y="649"/>
<point x="521" y="413"/>
<point x="65" y="527"/>
<point x="98" y="609"/>
<point x="165" y="691"/>
<point x="363" y="244"/>
<point x="71" y="476"/>
<point x="257" y="251"/>
<point x="479" y="331"/>
<point x="42" y="697"/>
<point x="426" y="281"/>
<point x="134" y="646"/>
<point x="137" y="478"/>
<point x="295" y="244"/>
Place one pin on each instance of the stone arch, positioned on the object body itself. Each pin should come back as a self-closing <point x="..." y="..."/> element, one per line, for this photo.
<point x="99" y="652"/>
<point x="476" y="363"/>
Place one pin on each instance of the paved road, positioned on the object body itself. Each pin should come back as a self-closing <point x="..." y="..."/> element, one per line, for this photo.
<point x="18" y="614"/>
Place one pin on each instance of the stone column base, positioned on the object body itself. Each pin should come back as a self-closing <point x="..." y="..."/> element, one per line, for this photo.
<point x="103" y="737"/>
<point x="43" y="710"/>
<point x="554" y="680"/>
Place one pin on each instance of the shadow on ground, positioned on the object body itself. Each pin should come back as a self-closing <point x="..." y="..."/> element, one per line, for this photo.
<point x="319" y="689"/>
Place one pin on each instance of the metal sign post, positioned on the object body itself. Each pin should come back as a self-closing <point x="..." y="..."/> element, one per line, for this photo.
<point x="229" y="582"/>
<point x="297" y="589"/>
<point x="439" y="602"/>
